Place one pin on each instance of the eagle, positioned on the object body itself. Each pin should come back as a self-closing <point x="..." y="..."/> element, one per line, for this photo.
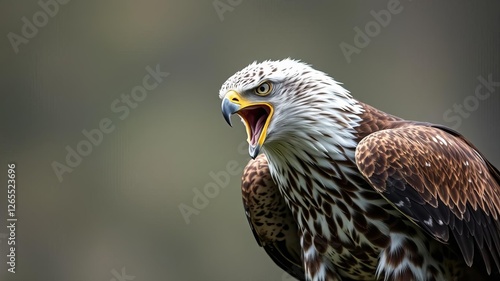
<point x="339" y="190"/>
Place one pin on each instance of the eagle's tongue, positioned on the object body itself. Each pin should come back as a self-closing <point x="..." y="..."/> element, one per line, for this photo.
<point x="257" y="129"/>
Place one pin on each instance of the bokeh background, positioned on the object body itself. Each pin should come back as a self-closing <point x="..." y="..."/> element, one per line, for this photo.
<point x="118" y="211"/>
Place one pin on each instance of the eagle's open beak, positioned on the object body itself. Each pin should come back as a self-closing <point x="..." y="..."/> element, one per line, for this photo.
<point x="255" y="115"/>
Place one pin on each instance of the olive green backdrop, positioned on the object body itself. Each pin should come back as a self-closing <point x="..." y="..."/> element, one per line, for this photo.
<point x="117" y="214"/>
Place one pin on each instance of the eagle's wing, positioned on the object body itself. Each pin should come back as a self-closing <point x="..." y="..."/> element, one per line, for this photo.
<point x="270" y="218"/>
<point x="440" y="181"/>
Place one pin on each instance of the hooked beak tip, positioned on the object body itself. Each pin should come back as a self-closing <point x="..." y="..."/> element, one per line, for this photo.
<point x="228" y="109"/>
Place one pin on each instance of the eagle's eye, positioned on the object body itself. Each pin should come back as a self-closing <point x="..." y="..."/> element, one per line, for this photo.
<point x="263" y="89"/>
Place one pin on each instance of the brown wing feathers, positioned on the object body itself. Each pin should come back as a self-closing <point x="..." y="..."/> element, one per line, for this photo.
<point x="439" y="180"/>
<point x="270" y="218"/>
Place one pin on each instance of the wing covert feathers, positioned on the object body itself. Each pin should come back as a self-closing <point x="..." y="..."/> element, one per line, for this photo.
<point x="439" y="180"/>
<point x="270" y="218"/>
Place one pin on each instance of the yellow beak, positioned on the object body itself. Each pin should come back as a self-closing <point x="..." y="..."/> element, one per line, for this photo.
<point x="255" y="115"/>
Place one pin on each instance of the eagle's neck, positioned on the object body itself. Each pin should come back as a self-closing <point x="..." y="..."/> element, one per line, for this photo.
<point x="315" y="148"/>
<point x="319" y="157"/>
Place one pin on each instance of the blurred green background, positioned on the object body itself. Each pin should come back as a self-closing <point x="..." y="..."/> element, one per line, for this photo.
<point x="118" y="212"/>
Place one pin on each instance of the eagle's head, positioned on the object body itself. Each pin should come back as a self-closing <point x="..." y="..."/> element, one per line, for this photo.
<point x="288" y="103"/>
